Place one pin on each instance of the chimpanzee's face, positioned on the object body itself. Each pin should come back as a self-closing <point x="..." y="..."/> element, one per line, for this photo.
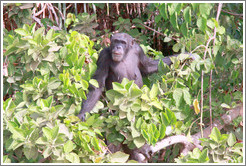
<point x="120" y="45"/>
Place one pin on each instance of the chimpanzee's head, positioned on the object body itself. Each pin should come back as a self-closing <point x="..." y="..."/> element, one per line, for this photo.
<point x="120" y="44"/>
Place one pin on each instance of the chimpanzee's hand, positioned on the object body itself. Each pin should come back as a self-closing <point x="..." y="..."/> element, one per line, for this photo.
<point x="82" y="117"/>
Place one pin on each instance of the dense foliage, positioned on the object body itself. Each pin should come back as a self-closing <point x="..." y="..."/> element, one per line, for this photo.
<point x="47" y="73"/>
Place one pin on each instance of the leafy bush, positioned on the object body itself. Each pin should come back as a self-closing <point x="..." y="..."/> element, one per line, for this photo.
<point x="47" y="74"/>
<point x="218" y="149"/>
<point x="38" y="123"/>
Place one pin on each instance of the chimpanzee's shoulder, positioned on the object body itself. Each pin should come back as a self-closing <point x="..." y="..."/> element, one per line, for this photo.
<point x="105" y="52"/>
<point x="104" y="55"/>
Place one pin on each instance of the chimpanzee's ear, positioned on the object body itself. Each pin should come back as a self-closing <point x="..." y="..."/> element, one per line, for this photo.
<point x="133" y="41"/>
<point x="111" y="36"/>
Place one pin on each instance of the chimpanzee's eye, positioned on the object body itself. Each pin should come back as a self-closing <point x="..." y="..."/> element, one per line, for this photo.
<point x="123" y="42"/>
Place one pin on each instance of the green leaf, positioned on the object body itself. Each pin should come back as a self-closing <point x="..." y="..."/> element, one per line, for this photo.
<point x="163" y="11"/>
<point x="145" y="135"/>
<point x="135" y="91"/>
<point x="205" y="9"/>
<point x="187" y="14"/>
<point x="84" y="84"/>
<point x="187" y="97"/>
<point x="203" y="156"/>
<point x="202" y="23"/>
<point x="39" y="32"/>
<point x="47" y="152"/>
<point x="95" y="143"/>
<point x="177" y="96"/>
<point x="49" y="101"/>
<point x="21" y="32"/>
<point x="145" y="106"/>
<point x="8" y="104"/>
<point x="130" y="115"/>
<point x="231" y="139"/>
<point x="167" y="39"/>
<point x="119" y="88"/>
<point x="90" y="120"/>
<point x="53" y="85"/>
<point x="174" y="21"/>
<point x="136" y="107"/>
<point x="171" y="116"/>
<point x="139" y="141"/>
<point x="30" y="152"/>
<point x="34" y="65"/>
<point x="215" y="135"/>
<point x="94" y="83"/>
<point x="221" y="30"/>
<point x="157" y="104"/>
<point x="50" y="34"/>
<point x="139" y="123"/>
<point x="154" y="91"/>
<point x="184" y="29"/>
<point x="6" y="159"/>
<point x="73" y="158"/>
<point x="157" y="18"/>
<point x="177" y="47"/>
<point x="34" y="135"/>
<point x="42" y="141"/>
<point x="54" y="49"/>
<point x="196" y="153"/>
<point x="134" y="132"/>
<point x="211" y="23"/>
<point x="68" y="146"/>
<point x="136" y="20"/>
<point x="17" y="132"/>
<point x="163" y="67"/>
<point x="47" y="133"/>
<point x="10" y="50"/>
<point x="119" y="157"/>
<point x="162" y="130"/>
<point x="164" y="119"/>
<point x="224" y="105"/>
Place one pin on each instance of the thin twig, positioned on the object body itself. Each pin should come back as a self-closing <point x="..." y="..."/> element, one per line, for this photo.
<point x="234" y="14"/>
<point x="50" y="6"/>
<point x="127" y="9"/>
<point x="176" y="39"/>
<point x="211" y="71"/>
<point x="117" y="8"/>
<point x="59" y="11"/>
<point x="202" y="75"/>
<point x="198" y="47"/>
<point x="41" y="11"/>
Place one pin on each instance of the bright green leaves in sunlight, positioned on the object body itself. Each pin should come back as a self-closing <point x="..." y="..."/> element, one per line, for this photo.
<point x="143" y="107"/>
<point x="196" y="156"/>
<point x="218" y="144"/>
<point x="181" y="94"/>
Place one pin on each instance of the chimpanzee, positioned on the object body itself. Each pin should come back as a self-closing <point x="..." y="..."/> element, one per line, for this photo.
<point x="123" y="59"/>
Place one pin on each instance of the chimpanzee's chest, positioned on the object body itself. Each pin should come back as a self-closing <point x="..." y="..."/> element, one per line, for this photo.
<point x="124" y="69"/>
<point x="121" y="70"/>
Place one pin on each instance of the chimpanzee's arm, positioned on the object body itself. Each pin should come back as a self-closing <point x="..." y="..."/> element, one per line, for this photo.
<point x="149" y="66"/>
<point x="100" y="75"/>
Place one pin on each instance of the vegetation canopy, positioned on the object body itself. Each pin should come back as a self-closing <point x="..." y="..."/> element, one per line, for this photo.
<point x="188" y="112"/>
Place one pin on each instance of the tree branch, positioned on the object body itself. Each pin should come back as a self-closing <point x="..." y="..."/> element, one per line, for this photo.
<point x="146" y="152"/>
